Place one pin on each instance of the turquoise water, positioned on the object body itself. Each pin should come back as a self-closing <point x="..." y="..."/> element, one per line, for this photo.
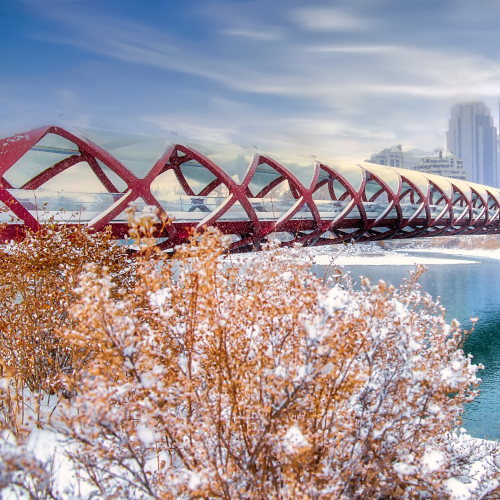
<point x="465" y="290"/>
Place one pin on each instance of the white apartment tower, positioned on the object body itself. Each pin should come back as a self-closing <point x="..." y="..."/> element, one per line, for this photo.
<point x="472" y="137"/>
<point x="392" y="157"/>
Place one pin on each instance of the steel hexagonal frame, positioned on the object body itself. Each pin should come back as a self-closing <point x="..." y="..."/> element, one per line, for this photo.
<point x="479" y="206"/>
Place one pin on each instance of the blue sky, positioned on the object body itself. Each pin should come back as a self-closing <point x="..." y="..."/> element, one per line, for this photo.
<point x="336" y="79"/>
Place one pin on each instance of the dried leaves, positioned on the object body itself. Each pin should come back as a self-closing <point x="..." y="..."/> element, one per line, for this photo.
<point x="198" y="377"/>
<point x="219" y="380"/>
<point x="37" y="280"/>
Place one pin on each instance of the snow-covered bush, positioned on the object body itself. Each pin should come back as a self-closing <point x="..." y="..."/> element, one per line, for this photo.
<point x="37" y="279"/>
<point x="214" y="378"/>
<point x="22" y="474"/>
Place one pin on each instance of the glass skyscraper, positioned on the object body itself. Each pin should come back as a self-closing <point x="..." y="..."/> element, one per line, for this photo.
<point x="472" y="137"/>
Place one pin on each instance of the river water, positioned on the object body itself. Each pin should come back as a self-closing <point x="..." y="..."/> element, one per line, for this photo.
<point x="465" y="290"/>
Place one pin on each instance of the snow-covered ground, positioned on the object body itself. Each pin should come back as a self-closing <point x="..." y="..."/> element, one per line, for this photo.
<point x="478" y="253"/>
<point x="374" y="255"/>
<point x="370" y="255"/>
<point x="388" y="259"/>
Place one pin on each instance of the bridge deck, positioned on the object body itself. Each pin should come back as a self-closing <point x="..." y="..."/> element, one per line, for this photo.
<point x="45" y="205"/>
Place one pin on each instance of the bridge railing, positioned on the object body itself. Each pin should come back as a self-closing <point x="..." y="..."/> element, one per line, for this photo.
<point x="80" y="207"/>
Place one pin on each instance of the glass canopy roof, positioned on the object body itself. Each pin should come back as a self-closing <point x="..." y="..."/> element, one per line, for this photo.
<point x="137" y="152"/>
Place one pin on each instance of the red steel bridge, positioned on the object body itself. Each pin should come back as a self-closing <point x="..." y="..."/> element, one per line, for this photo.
<point x="232" y="188"/>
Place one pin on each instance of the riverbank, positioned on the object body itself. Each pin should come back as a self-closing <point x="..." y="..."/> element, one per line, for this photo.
<point x="479" y="253"/>
<point x="406" y="252"/>
<point x="365" y="255"/>
<point x="374" y="254"/>
<point x="387" y="259"/>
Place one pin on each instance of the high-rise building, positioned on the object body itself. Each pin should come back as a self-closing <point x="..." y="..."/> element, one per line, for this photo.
<point x="392" y="157"/>
<point x="442" y="163"/>
<point x="472" y="137"/>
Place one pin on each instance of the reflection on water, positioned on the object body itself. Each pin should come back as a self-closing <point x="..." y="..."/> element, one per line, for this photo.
<point x="465" y="290"/>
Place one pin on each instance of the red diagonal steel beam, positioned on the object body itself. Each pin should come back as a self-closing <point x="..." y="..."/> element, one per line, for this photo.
<point x="351" y="222"/>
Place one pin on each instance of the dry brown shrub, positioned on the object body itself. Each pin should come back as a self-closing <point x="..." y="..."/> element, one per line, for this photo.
<point x="255" y="380"/>
<point x="37" y="280"/>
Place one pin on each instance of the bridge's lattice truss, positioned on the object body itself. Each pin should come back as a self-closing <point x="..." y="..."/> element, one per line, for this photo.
<point x="366" y="203"/>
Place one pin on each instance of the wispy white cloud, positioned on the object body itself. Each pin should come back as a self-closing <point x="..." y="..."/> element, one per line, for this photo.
<point x="352" y="49"/>
<point x="326" y="19"/>
<point x="319" y="79"/>
<point x="299" y="68"/>
<point x="252" y="34"/>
